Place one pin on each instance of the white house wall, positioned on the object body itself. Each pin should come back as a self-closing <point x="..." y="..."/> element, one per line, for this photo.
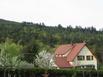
<point x="85" y="52"/>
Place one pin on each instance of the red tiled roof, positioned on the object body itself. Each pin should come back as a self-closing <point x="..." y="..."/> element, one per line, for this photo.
<point x="75" y="50"/>
<point x="62" y="62"/>
<point x="62" y="49"/>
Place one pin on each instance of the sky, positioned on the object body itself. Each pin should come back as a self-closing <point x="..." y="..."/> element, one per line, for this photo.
<point x="85" y="13"/>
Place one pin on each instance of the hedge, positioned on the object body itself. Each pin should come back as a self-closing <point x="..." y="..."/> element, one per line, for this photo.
<point x="37" y="72"/>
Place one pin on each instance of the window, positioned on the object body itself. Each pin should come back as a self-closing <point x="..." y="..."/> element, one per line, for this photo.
<point x="60" y="55"/>
<point x="81" y="57"/>
<point x="90" y="66"/>
<point x="86" y="66"/>
<point x="89" y="57"/>
<point x="56" y="55"/>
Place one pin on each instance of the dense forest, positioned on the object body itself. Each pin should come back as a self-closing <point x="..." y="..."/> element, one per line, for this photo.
<point x="34" y="36"/>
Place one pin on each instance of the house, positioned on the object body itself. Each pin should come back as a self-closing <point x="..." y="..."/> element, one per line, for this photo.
<point x="75" y="55"/>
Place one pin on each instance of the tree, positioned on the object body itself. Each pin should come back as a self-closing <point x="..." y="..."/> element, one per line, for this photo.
<point x="43" y="59"/>
<point x="9" y="54"/>
<point x="30" y="51"/>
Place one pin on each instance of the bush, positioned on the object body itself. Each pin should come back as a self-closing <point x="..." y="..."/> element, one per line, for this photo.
<point x="38" y="72"/>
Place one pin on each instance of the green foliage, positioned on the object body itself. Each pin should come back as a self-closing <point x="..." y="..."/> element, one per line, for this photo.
<point x="9" y="54"/>
<point x="26" y="65"/>
<point x="49" y="37"/>
<point x="10" y="48"/>
<point x="52" y="73"/>
<point x="30" y="51"/>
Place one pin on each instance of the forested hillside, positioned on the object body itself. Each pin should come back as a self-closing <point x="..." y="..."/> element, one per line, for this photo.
<point x="40" y="36"/>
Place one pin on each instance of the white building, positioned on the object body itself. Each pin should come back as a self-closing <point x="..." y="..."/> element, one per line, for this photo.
<point x="75" y="55"/>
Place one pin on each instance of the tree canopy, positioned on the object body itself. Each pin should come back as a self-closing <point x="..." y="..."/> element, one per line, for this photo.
<point x="49" y="37"/>
<point x="9" y="54"/>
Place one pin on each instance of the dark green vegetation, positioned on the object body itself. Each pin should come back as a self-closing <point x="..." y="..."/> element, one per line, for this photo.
<point x="50" y="73"/>
<point x="36" y="37"/>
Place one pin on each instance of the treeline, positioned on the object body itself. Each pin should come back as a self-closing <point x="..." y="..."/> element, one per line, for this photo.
<point x="40" y="36"/>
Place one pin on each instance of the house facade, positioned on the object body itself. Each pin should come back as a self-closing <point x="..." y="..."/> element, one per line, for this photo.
<point x="75" y="55"/>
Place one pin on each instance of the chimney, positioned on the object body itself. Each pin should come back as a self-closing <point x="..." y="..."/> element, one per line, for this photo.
<point x="71" y="43"/>
<point x="84" y="42"/>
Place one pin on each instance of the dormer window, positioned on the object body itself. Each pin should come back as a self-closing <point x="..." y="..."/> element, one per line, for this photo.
<point x="56" y="55"/>
<point x="64" y="55"/>
<point x="60" y="55"/>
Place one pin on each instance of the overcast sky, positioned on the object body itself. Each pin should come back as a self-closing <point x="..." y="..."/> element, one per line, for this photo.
<point x="53" y="12"/>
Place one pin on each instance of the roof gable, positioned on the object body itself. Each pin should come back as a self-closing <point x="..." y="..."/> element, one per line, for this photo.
<point x="74" y="50"/>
